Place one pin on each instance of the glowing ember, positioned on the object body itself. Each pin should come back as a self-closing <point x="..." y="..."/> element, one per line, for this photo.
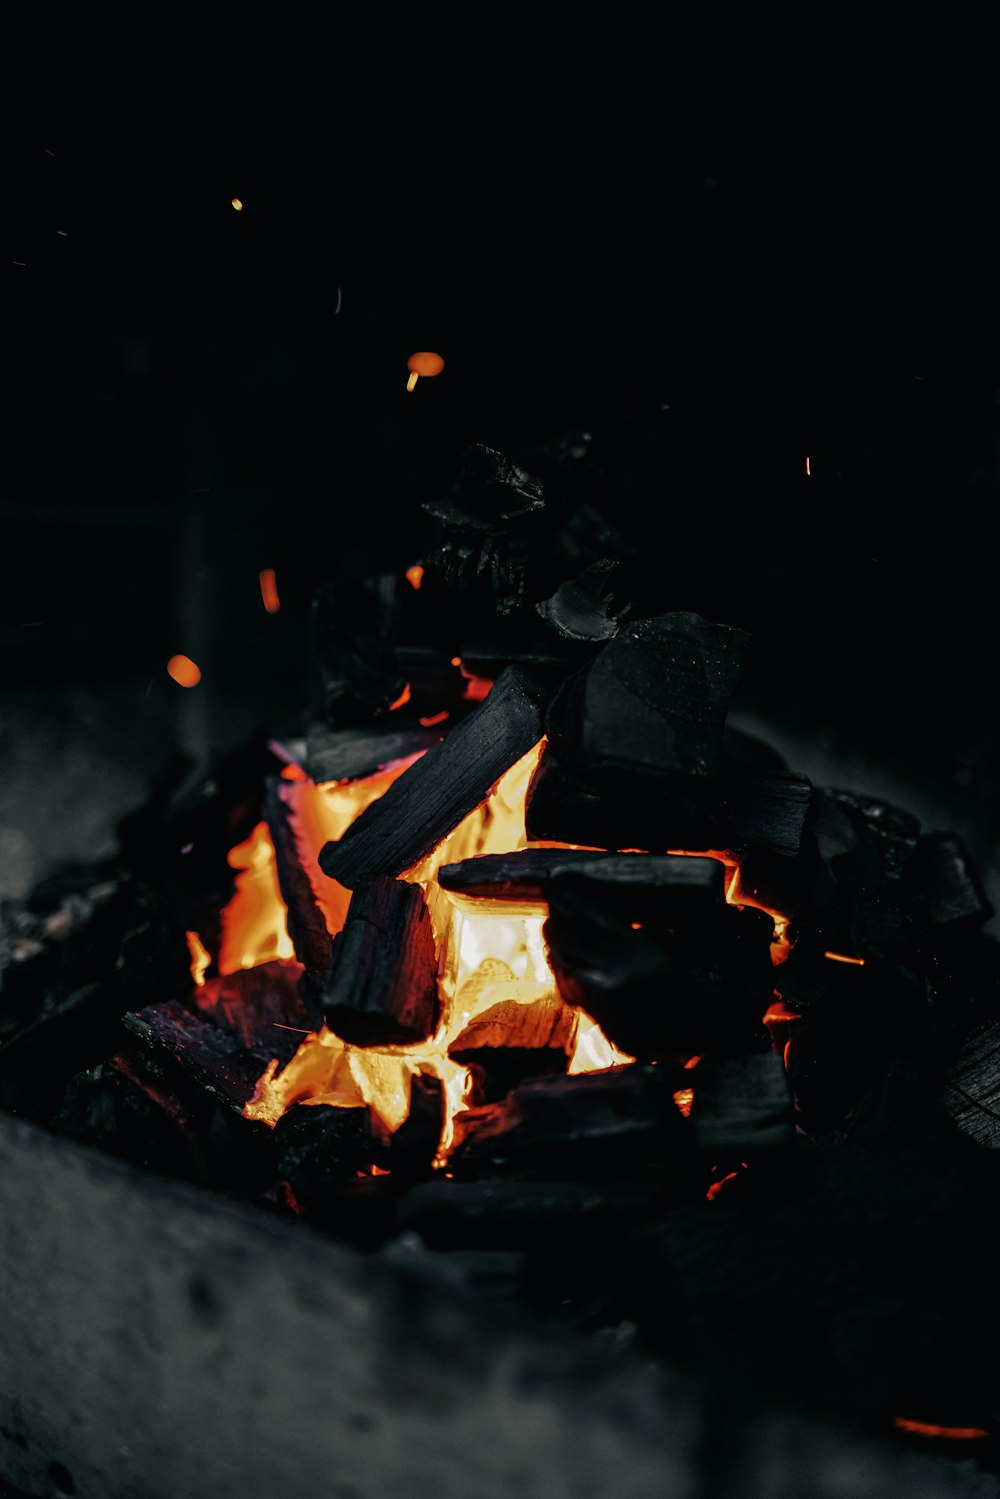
<point x="403" y="698"/>
<point x="183" y="671"/>
<point x="842" y="957"/>
<point x="237" y="204"/>
<point x="415" y="575"/>
<point x="434" y="718"/>
<point x="951" y="1433"/>
<point x="684" y="1098"/>
<point x="808" y="470"/>
<point x="269" y="590"/>
<point x="200" y="959"/>
<point x="423" y="364"/>
<point x="254" y="926"/>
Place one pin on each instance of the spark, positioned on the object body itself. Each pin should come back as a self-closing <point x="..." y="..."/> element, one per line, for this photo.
<point x="434" y="718"/>
<point x="404" y="697"/>
<point x="842" y="957"/>
<point x="415" y="575"/>
<point x="925" y="1429"/>
<point x="269" y="590"/>
<point x="237" y="204"/>
<point x="183" y="671"/>
<point x="808" y="469"/>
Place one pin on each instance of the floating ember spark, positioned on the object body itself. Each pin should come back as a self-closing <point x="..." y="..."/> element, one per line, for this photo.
<point x="808" y="470"/>
<point x="269" y="590"/>
<point x="950" y="1433"/>
<point x="403" y="698"/>
<point x="423" y="364"/>
<point x="237" y="204"/>
<point x="415" y="575"/>
<point x="183" y="671"/>
<point x="843" y="957"/>
<point x="428" y="723"/>
<point x="684" y="1099"/>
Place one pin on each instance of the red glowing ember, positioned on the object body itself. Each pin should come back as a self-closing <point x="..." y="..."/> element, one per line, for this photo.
<point x="183" y="671"/>
<point x="269" y="590"/>
<point x="843" y="957"/>
<point x="415" y="575"/>
<point x="949" y="1433"/>
<point x="423" y="364"/>
<point x="404" y="697"/>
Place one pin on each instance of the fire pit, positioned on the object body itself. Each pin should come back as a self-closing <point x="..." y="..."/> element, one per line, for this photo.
<point x="563" y="1062"/>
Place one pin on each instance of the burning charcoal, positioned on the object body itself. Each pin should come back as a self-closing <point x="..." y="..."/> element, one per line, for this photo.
<point x="765" y="811"/>
<point x="349" y="754"/>
<point x="410" y="1150"/>
<point x="745" y="1108"/>
<point x="260" y="1005"/>
<point x="154" y="958"/>
<point x="432" y="797"/>
<point x="699" y="987"/>
<point x="454" y="1214"/>
<point x="214" y="1059"/>
<point x="383" y="981"/>
<point x="946" y="883"/>
<point x="306" y="923"/>
<point x="881" y="1264"/>
<point x="971" y="1093"/>
<point x="483" y="529"/>
<point x="663" y="884"/>
<point x="594" y="1123"/>
<point x="112" y="1106"/>
<point x="653" y="701"/>
<point x="860" y="898"/>
<point x="583" y="609"/>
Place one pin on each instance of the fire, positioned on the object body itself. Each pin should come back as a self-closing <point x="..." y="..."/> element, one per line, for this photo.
<point x="200" y="959"/>
<point x="414" y="575"/>
<point x="843" y="957"/>
<point x="254" y="927"/>
<point x="482" y="946"/>
<point x="489" y="952"/>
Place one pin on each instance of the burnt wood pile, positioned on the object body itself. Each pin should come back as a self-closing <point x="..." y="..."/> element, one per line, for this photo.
<point x="794" y="1180"/>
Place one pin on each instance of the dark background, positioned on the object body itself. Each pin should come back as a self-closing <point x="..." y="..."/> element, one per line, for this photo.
<point x="185" y="405"/>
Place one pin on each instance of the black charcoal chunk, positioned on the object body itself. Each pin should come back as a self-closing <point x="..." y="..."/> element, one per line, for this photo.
<point x="745" y="1108"/>
<point x="584" y="608"/>
<point x="383" y="979"/>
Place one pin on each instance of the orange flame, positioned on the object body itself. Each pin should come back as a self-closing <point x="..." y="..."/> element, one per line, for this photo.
<point x="414" y="575"/>
<point x="200" y="959"/>
<point x="269" y="590"/>
<point x="684" y="1099"/>
<point x="842" y="957"/>
<point x="254" y="927"/>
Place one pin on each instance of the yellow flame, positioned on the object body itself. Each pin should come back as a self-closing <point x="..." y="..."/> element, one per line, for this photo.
<point x="200" y="959"/>
<point x="254" y="923"/>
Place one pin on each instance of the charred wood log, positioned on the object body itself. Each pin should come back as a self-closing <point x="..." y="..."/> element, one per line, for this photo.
<point x="484" y="527"/>
<point x="945" y="882"/>
<point x="653" y="701"/>
<point x="215" y="1060"/>
<point x="433" y="796"/>
<point x="383" y="979"/>
<point x="764" y="810"/>
<point x="745" y="1108"/>
<point x="649" y="885"/>
<point x="659" y="994"/>
<point x="351" y="754"/>
<point x="260" y="1006"/>
<point x="112" y="1106"/>
<point x="306" y="922"/>
<point x="596" y="1123"/>
<point x="971" y="1093"/>
<point x="583" y="608"/>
